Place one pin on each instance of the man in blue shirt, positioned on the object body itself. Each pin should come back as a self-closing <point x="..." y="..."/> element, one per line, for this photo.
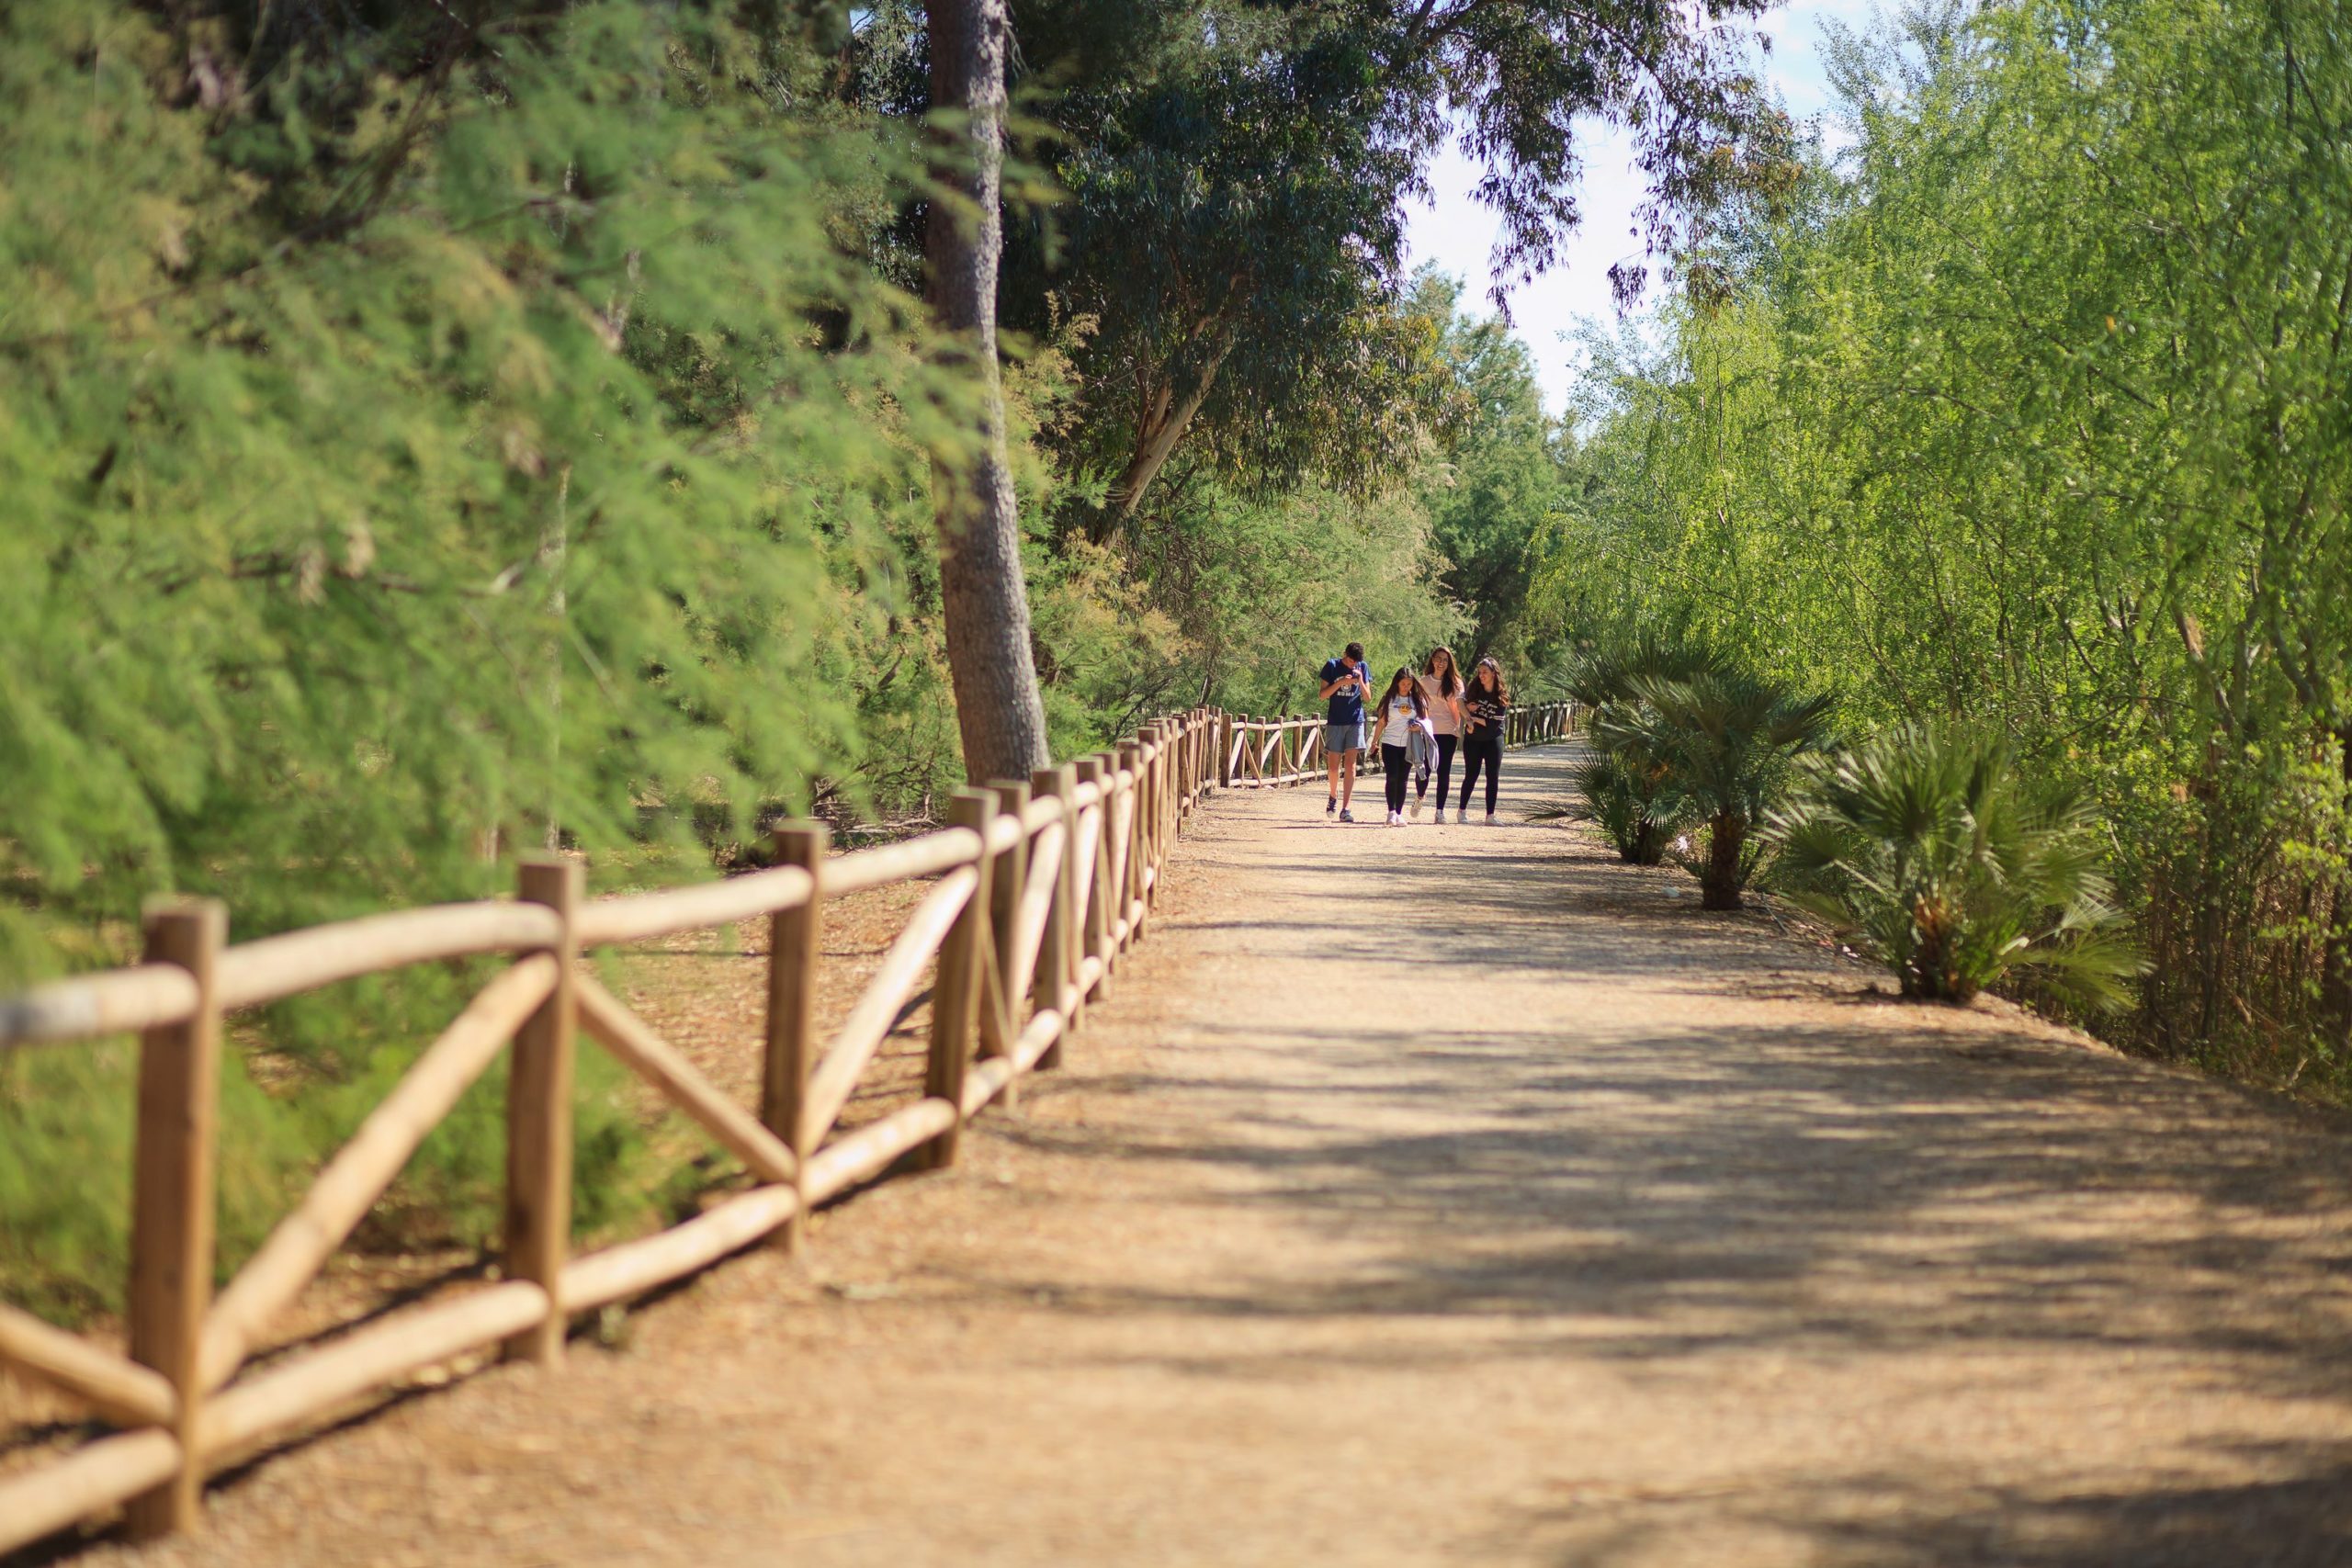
<point x="1346" y="684"/>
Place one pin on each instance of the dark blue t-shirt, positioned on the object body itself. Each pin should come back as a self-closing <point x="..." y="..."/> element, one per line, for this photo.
<point x="1344" y="707"/>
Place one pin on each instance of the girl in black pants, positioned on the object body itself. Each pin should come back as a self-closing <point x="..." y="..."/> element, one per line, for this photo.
<point x="1400" y="709"/>
<point x="1484" y="703"/>
<point x="1442" y="702"/>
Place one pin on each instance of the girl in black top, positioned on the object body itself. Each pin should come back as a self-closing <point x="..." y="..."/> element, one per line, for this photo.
<point x="1483" y="704"/>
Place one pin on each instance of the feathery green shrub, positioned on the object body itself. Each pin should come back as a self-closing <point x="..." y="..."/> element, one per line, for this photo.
<point x="424" y="446"/>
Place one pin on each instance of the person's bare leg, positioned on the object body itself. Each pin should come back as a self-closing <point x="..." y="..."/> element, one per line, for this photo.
<point x="1347" y="780"/>
<point x="1332" y="768"/>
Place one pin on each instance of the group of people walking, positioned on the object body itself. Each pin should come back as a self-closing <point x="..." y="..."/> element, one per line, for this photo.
<point x="1421" y="723"/>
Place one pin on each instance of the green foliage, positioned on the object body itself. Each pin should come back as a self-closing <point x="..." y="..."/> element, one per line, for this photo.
<point x="533" y="420"/>
<point x="1228" y="219"/>
<point x="1722" y="743"/>
<point x="1238" y="600"/>
<point x="1622" y="793"/>
<point x="2030" y="413"/>
<point x="1625" y="789"/>
<point x="421" y="447"/>
<point x="1501" y="484"/>
<point x="1611" y="674"/>
<point x="1920" y="845"/>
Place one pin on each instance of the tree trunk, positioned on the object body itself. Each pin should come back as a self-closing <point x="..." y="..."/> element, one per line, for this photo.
<point x="997" y="710"/>
<point x="1726" y="839"/>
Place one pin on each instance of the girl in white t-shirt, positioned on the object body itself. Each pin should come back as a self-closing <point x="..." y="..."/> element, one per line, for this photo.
<point x="1400" y="709"/>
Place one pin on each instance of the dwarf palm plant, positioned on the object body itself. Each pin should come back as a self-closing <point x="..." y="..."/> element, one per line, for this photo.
<point x="1618" y="792"/>
<point x="1726" y="742"/>
<point x="1919" y="846"/>
<point x="1607" y="675"/>
<point x="1624" y="789"/>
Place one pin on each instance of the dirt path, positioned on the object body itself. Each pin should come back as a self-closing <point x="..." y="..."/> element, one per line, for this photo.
<point x="1460" y="1196"/>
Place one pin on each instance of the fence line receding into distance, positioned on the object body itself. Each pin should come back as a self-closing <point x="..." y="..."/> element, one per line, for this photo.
<point x="1037" y="888"/>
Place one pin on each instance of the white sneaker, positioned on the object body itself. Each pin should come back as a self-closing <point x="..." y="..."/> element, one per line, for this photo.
<point x="1417" y="810"/>
<point x="1440" y="816"/>
<point x="1396" y="820"/>
<point x="1490" y="819"/>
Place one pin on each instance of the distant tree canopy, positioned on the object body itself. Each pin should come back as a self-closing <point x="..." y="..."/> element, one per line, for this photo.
<point x="1225" y="246"/>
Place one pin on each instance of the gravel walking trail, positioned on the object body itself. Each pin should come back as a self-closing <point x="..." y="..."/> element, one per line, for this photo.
<point x="1455" y="1195"/>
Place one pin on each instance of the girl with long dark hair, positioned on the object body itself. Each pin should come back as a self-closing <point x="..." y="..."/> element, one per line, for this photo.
<point x="1484" y="703"/>
<point x="1400" y="709"/>
<point x="1440" y="685"/>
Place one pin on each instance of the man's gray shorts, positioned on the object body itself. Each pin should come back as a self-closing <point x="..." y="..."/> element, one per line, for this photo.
<point x="1338" y="738"/>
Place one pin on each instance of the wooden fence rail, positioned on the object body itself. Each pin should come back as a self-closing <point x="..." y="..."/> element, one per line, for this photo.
<point x="1037" y="887"/>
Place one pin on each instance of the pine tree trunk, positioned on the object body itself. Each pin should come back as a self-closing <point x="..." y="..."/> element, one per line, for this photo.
<point x="997" y="710"/>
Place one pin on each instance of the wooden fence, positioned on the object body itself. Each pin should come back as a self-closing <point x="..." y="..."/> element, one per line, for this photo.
<point x="1035" y="890"/>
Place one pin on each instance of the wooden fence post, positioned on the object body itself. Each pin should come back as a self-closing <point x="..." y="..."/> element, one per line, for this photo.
<point x="1163" y="775"/>
<point x="1008" y="881"/>
<point x="956" y="995"/>
<point x="792" y="996"/>
<point x="1139" y="842"/>
<point x="1151" y="752"/>
<point x="1224" y="750"/>
<point x="1058" y="953"/>
<point x="1190" y="750"/>
<point x="539" y="1123"/>
<point x="172" y="1197"/>
<point x="1180" y="738"/>
<point x="1163" y="798"/>
<point x="1101" y="921"/>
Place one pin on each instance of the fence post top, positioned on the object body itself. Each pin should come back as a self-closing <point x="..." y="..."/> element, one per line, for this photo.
<point x="207" y="917"/>
<point x="970" y="807"/>
<point x="551" y="878"/>
<point x="798" y="832"/>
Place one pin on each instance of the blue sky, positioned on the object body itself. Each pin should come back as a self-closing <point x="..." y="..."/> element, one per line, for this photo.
<point x="1457" y="233"/>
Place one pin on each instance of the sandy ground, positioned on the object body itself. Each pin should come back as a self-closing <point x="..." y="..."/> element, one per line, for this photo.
<point x="1457" y="1196"/>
